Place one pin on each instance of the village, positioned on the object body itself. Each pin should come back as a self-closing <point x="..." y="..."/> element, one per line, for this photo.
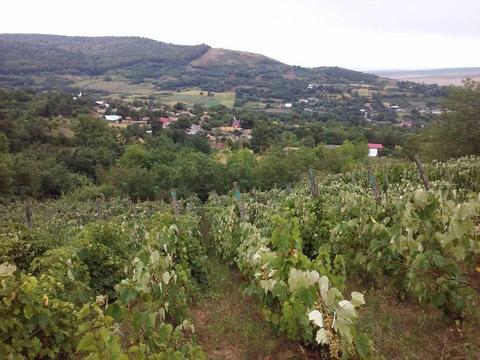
<point x="198" y="124"/>
<point x="402" y="104"/>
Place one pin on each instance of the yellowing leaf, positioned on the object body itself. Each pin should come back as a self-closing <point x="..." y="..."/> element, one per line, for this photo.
<point x="7" y="269"/>
<point x="313" y="276"/>
<point x="166" y="277"/>
<point x="324" y="284"/>
<point x="317" y="318"/>
<point x="322" y="337"/>
<point x="357" y="298"/>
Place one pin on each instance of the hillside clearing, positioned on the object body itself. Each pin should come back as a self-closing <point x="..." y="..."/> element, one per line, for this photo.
<point x="191" y="97"/>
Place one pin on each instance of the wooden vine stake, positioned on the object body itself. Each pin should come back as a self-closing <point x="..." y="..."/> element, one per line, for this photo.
<point x="385" y="178"/>
<point x="289" y="189"/>
<point x="421" y="169"/>
<point x="175" y="206"/>
<point x="446" y="172"/>
<point x="99" y="206"/>
<point x="313" y="184"/>
<point x="238" y="198"/>
<point x="28" y="213"/>
<point x="373" y="182"/>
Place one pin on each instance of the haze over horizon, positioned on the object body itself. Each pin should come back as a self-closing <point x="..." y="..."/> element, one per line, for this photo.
<point x="371" y="35"/>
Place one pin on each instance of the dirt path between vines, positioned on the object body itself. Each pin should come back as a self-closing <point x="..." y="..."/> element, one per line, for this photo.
<point x="230" y="325"/>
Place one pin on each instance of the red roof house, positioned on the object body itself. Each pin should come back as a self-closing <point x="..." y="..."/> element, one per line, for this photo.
<point x="165" y="122"/>
<point x="373" y="149"/>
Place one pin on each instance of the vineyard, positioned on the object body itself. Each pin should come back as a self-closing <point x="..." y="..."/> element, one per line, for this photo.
<point x="89" y="277"/>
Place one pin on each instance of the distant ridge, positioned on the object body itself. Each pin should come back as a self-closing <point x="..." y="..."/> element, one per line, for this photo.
<point x="166" y="66"/>
<point x="446" y="76"/>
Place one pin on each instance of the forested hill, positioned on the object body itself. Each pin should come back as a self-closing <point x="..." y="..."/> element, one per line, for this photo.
<point x="167" y="66"/>
<point x="32" y="53"/>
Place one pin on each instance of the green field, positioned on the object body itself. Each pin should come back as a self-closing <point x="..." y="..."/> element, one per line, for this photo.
<point x="363" y="92"/>
<point x="191" y="97"/>
<point x="119" y="87"/>
<point x="116" y="87"/>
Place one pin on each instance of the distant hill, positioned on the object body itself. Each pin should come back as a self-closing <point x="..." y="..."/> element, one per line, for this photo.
<point x="452" y="76"/>
<point x="30" y="53"/>
<point x="62" y="60"/>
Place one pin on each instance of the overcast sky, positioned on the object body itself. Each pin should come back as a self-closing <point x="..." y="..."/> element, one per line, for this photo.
<point x="357" y="34"/>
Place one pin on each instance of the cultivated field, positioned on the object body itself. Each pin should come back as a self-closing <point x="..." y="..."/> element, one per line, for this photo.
<point x="119" y="87"/>
<point x="191" y="97"/>
<point x="115" y="87"/>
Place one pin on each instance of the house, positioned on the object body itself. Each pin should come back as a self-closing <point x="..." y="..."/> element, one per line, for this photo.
<point x="113" y="118"/>
<point x="236" y="124"/>
<point x="194" y="129"/>
<point x="373" y="149"/>
<point x="102" y="103"/>
<point x="332" y="146"/>
<point x="407" y="124"/>
<point x="205" y="118"/>
<point x="165" y="122"/>
<point x="218" y="145"/>
<point x="227" y="129"/>
<point x="99" y="110"/>
<point x="288" y="105"/>
<point x="184" y="113"/>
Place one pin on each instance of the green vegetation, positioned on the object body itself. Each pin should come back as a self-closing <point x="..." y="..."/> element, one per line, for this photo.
<point x="300" y="252"/>
<point x="457" y="132"/>
<point x="100" y="259"/>
<point x="166" y="66"/>
<point x="192" y="97"/>
<point x="23" y="53"/>
<point x="50" y="145"/>
<point x="230" y="323"/>
<point x="126" y="67"/>
<point x="105" y="286"/>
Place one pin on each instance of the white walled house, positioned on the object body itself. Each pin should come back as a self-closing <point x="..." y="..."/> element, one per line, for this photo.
<point x="113" y="118"/>
<point x="373" y="149"/>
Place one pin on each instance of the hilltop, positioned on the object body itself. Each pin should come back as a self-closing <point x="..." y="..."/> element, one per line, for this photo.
<point x="23" y="57"/>
<point x="141" y="68"/>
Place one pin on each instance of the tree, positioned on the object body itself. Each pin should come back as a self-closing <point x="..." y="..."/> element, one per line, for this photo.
<point x="240" y="168"/>
<point x="261" y="137"/>
<point x="4" y="144"/>
<point x="457" y="132"/>
<point x="5" y="174"/>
